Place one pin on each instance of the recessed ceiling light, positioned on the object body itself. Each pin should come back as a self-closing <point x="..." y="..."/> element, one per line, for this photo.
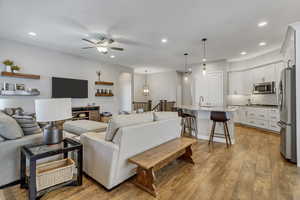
<point x="204" y="60"/>
<point x="262" y="24"/>
<point x="32" y="33"/>
<point x="243" y="53"/>
<point x="164" y="40"/>
<point x="112" y="56"/>
<point x="262" y="44"/>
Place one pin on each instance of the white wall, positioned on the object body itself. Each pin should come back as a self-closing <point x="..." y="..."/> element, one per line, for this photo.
<point x="220" y="66"/>
<point x="49" y="63"/>
<point x="125" y="85"/>
<point x="139" y="81"/>
<point x="162" y="85"/>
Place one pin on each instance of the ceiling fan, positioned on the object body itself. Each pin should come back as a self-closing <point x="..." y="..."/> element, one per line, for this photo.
<point x="102" y="44"/>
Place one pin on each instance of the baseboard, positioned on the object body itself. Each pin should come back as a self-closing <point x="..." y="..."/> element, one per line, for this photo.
<point x="10" y="184"/>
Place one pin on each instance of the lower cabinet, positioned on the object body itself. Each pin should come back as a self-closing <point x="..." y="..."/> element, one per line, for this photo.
<point x="265" y="118"/>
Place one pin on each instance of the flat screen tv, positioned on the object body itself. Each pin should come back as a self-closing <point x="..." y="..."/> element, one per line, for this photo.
<point x="69" y="88"/>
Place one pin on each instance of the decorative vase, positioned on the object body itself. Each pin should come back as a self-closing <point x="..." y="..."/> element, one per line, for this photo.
<point x="15" y="71"/>
<point x="8" y="68"/>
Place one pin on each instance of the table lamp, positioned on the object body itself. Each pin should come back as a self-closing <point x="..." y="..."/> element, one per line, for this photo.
<point x="51" y="110"/>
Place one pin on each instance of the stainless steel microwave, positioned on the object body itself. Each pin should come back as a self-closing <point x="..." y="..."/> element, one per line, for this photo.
<point x="264" y="88"/>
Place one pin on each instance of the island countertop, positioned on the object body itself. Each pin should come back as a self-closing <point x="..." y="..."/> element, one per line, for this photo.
<point x="208" y="108"/>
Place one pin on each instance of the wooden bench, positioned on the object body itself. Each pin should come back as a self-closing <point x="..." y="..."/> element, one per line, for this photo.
<point x="154" y="159"/>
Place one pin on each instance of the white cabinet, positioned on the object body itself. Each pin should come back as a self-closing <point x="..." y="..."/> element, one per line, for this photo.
<point x="210" y="87"/>
<point x="265" y="118"/>
<point x="235" y="80"/>
<point x="241" y="82"/>
<point x="263" y="74"/>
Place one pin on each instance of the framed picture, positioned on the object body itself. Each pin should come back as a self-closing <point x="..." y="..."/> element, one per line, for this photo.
<point x="19" y="87"/>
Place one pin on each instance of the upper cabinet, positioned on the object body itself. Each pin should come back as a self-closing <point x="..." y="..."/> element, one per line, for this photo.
<point x="236" y="83"/>
<point x="241" y="82"/>
<point x="210" y="88"/>
<point x="263" y="74"/>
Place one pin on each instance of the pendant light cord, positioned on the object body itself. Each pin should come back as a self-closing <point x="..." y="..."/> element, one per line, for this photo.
<point x="204" y="47"/>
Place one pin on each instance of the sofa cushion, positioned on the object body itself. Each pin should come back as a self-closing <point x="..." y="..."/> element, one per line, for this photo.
<point x="9" y="128"/>
<point x="119" y="121"/>
<point x="28" y="124"/>
<point x="164" y="115"/>
<point x="82" y="126"/>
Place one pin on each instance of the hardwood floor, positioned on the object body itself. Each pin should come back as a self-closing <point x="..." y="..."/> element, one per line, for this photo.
<point x="251" y="169"/>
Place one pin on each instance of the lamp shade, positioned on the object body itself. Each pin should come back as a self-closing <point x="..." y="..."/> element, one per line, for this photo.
<point x="49" y="110"/>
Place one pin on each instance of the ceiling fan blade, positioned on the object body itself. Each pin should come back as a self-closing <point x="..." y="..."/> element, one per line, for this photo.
<point x="116" y="48"/>
<point x="87" y="47"/>
<point x="89" y="41"/>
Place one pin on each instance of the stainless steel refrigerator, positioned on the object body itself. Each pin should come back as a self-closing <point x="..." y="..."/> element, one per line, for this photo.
<point x="287" y="108"/>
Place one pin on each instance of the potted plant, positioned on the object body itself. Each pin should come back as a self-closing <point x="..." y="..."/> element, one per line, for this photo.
<point x="8" y="64"/>
<point x="15" y="68"/>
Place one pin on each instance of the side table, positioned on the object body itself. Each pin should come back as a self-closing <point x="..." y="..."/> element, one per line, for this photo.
<point x="34" y="152"/>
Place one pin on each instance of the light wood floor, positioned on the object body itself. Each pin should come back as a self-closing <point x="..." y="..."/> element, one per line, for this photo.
<point x="251" y="169"/>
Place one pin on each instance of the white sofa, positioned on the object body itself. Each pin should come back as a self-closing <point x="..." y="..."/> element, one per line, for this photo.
<point x="107" y="161"/>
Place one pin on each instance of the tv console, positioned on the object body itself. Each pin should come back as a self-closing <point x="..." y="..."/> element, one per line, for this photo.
<point x="87" y="112"/>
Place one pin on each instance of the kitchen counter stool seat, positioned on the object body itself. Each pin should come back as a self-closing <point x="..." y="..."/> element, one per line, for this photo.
<point x="220" y="117"/>
<point x="189" y="124"/>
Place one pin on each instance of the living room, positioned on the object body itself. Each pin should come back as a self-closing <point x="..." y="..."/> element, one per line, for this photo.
<point x="139" y="100"/>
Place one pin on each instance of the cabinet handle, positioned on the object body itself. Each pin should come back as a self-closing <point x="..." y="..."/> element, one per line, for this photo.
<point x="262" y="115"/>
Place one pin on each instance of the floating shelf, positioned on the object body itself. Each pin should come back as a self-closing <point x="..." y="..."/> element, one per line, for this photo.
<point x="104" y="95"/>
<point x="20" y="75"/>
<point x="103" y="83"/>
<point x="19" y="93"/>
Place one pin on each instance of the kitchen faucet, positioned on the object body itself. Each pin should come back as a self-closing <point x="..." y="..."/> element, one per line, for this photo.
<point x="201" y="100"/>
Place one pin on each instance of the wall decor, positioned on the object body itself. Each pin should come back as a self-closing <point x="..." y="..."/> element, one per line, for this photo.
<point x="8" y="64"/>
<point x="15" y="68"/>
<point x="9" y="86"/>
<point x="19" y="87"/>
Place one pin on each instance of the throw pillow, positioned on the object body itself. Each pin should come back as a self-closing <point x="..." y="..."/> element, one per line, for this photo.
<point x="13" y="111"/>
<point x="119" y="121"/>
<point x="165" y="115"/>
<point x="28" y="124"/>
<point x="9" y="128"/>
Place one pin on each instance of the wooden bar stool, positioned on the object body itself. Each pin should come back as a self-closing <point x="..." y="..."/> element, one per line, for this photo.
<point x="189" y="123"/>
<point x="221" y="117"/>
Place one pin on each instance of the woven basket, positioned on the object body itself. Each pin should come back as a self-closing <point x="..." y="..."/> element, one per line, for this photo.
<point x="55" y="172"/>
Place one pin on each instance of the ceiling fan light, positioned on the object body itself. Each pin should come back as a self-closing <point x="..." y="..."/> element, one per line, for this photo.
<point x="102" y="49"/>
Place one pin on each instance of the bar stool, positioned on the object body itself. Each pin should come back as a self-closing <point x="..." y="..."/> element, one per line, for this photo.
<point x="217" y="116"/>
<point x="189" y="123"/>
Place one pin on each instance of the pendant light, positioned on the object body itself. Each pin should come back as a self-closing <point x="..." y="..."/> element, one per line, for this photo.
<point x="146" y="87"/>
<point x="204" y="56"/>
<point x="188" y="71"/>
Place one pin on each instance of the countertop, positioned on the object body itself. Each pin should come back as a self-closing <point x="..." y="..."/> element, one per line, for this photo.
<point x="208" y="108"/>
<point x="256" y="106"/>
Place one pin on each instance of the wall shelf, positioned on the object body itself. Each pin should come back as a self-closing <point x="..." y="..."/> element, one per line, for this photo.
<point x="104" y="95"/>
<point x="103" y="83"/>
<point x="20" y="75"/>
<point x="19" y="93"/>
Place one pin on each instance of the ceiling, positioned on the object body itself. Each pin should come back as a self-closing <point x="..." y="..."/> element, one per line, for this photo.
<point x="139" y="26"/>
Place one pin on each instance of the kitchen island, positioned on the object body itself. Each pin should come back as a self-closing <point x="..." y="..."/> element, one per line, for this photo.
<point x="204" y="124"/>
